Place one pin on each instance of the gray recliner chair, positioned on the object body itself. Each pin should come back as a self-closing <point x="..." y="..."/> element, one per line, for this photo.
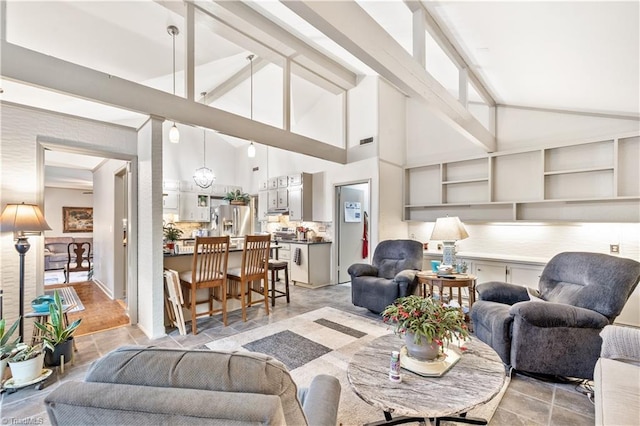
<point x="153" y="386"/>
<point x="392" y="274"/>
<point x="556" y="331"/>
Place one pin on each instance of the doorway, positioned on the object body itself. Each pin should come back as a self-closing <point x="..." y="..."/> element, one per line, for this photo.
<point x="121" y="220"/>
<point x="352" y="203"/>
<point x="108" y="178"/>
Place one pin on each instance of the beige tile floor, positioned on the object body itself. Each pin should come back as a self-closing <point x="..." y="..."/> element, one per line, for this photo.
<point x="527" y="401"/>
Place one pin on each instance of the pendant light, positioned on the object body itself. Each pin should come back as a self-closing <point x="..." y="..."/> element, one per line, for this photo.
<point x="174" y="133"/>
<point x="251" y="151"/>
<point x="204" y="177"/>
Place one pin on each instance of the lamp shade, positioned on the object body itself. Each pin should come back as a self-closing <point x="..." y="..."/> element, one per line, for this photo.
<point x="23" y="218"/>
<point x="251" y="151"/>
<point x="449" y="229"/>
<point x="174" y="134"/>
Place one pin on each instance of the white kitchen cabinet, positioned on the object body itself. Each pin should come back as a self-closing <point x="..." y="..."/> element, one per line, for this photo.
<point x="194" y="207"/>
<point x="273" y="183"/>
<point x="529" y="276"/>
<point x="170" y="185"/>
<point x="313" y="268"/>
<point x="264" y="185"/>
<point x="170" y="202"/>
<point x="301" y="198"/>
<point x="283" y="199"/>
<point x="283" y="181"/>
<point x="514" y="273"/>
<point x="272" y="199"/>
<point x="263" y="205"/>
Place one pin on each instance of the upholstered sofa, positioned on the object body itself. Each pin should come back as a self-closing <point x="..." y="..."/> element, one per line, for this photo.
<point x="55" y="251"/>
<point x="151" y="386"/>
<point x="617" y="377"/>
<point x="392" y="274"/>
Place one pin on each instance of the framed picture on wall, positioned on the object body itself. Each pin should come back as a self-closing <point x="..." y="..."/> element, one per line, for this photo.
<point x="77" y="219"/>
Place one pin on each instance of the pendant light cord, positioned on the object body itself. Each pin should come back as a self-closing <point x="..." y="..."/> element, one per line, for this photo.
<point x="250" y="57"/>
<point x="204" y="132"/>
<point x="173" y="37"/>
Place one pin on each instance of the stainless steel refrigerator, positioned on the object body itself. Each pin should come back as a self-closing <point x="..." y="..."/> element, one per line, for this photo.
<point x="235" y="221"/>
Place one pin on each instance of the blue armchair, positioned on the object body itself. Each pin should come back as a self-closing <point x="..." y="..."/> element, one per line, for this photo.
<point x="557" y="332"/>
<point x="392" y="274"/>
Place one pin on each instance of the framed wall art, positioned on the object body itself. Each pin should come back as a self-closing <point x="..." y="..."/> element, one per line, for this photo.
<point x="77" y="219"/>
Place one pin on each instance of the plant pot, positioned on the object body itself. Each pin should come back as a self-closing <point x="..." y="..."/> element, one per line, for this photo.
<point x="3" y="364"/>
<point x="423" y="351"/>
<point x="237" y="203"/>
<point x="52" y="359"/>
<point x="26" y="371"/>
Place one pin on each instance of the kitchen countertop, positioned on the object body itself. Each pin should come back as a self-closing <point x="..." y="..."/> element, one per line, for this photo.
<point x="309" y="243"/>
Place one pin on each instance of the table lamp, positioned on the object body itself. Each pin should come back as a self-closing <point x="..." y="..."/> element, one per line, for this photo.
<point x="448" y="230"/>
<point x="22" y="219"/>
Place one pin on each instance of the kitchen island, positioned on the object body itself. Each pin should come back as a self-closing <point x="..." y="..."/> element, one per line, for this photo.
<point x="311" y="263"/>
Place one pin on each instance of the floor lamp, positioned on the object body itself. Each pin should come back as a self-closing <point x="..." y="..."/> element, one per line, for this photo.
<point x="448" y="230"/>
<point x="22" y="219"/>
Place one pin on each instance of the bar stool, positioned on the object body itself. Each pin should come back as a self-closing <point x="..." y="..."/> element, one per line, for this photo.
<point x="274" y="266"/>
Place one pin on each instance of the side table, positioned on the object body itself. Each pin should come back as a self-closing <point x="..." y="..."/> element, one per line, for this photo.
<point x="459" y="281"/>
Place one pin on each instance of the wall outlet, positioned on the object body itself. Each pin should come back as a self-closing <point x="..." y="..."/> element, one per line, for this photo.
<point x="614" y="248"/>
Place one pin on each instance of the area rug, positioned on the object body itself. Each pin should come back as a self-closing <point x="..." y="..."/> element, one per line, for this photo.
<point x="69" y="297"/>
<point x="57" y="277"/>
<point x="323" y="342"/>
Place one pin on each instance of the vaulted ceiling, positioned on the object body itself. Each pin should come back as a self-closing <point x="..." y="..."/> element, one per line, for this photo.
<point x="574" y="55"/>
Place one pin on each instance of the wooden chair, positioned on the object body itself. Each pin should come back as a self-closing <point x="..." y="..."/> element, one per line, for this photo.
<point x="81" y="261"/>
<point x="255" y="256"/>
<point x="209" y="271"/>
<point x="173" y="300"/>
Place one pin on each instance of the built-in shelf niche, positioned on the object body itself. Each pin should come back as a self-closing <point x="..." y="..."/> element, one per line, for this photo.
<point x="590" y="182"/>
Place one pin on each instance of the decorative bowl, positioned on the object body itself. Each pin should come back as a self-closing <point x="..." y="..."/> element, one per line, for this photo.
<point x="41" y="303"/>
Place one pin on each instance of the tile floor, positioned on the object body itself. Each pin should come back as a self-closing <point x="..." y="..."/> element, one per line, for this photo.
<point x="527" y="401"/>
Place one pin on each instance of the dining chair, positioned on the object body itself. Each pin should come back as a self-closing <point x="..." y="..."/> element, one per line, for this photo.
<point x="78" y="255"/>
<point x="254" y="267"/>
<point x="208" y="271"/>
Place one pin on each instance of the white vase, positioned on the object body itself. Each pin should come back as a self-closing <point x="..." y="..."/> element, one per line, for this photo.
<point x="26" y="371"/>
<point x="3" y="364"/>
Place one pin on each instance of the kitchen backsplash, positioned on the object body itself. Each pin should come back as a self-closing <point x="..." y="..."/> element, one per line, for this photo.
<point x="542" y="240"/>
<point x="320" y="229"/>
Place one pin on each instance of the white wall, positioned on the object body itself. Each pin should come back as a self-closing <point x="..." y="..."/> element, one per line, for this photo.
<point x="324" y="121"/>
<point x="362" y="111"/>
<point x="390" y="225"/>
<point x="54" y="200"/>
<point x="523" y="128"/>
<point x="430" y="140"/>
<point x="105" y="237"/>
<point x="180" y="161"/>
<point x="392" y="124"/>
<point x="22" y="179"/>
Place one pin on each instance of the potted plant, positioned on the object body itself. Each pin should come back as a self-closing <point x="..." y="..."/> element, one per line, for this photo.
<point x="427" y="325"/>
<point x="57" y="337"/>
<point x="171" y="235"/>
<point x="237" y="197"/>
<point x="6" y="345"/>
<point x="25" y="362"/>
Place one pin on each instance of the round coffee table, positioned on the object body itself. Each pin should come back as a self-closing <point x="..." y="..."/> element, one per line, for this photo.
<point x="476" y="378"/>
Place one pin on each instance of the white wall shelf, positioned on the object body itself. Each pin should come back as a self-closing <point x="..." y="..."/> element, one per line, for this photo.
<point x="593" y="181"/>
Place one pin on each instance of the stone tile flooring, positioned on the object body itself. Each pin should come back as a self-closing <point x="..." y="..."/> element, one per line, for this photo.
<point x="527" y="401"/>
